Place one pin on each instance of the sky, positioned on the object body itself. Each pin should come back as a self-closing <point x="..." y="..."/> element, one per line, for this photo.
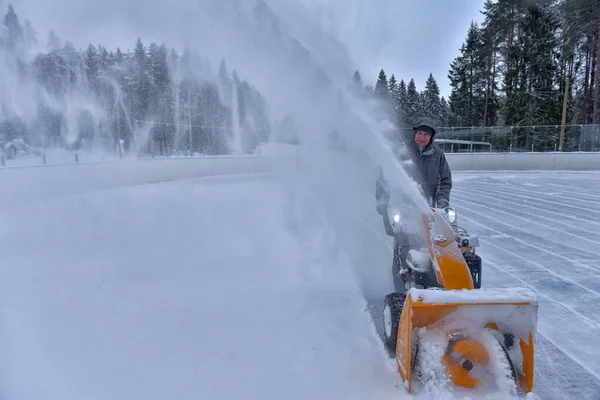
<point x="427" y="40"/>
<point x="408" y="38"/>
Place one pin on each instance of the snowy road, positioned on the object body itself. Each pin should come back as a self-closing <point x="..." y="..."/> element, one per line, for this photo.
<point x="240" y="287"/>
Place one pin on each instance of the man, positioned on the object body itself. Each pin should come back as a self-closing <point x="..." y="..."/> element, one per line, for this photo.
<point x="431" y="171"/>
<point x="430" y="168"/>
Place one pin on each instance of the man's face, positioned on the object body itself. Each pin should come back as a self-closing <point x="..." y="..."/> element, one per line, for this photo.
<point x="422" y="138"/>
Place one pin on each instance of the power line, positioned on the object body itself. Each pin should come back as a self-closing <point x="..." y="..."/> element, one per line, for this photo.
<point x="449" y="128"/>
<point x="172" y="124"/>
<point x="225" y="127"/>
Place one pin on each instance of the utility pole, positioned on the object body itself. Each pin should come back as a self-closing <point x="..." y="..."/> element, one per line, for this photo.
<point x="564" y="108"/>
<point x="190" y="113"/>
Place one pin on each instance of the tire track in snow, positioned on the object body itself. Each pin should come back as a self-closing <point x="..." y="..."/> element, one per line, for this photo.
<point x="565" y="366"/>
<point x="530" y="222"/>
<point x="525" y="237"/>
<point x="508" y="203"/>
<point x="586" y="189"/>
<point x="564" y="195"/>
<point x="583" y="212"/>
<point x="558" y="374"/>
<point x="569" y="283"/>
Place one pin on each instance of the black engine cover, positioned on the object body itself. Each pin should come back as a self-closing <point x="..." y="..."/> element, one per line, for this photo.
<point x="474" y="264"/>
<point x="426" y="279"/>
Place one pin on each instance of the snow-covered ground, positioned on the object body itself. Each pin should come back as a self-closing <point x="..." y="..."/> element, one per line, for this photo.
<point x="179" y="290"/>
<point x="542" y="230"/>
<point x="269" y="288"/>
<point x="56" y="156"/>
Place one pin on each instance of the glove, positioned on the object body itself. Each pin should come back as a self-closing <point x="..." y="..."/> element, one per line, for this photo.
<point x="443" y="203"/>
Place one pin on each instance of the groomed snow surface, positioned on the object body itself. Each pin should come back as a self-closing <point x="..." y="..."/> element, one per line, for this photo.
<point x="258" y="288"/>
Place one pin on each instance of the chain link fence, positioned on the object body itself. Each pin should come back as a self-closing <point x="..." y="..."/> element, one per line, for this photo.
<point x="585" y="138"/>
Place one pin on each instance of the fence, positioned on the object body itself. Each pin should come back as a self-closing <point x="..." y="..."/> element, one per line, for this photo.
<point x="545" y="138"/>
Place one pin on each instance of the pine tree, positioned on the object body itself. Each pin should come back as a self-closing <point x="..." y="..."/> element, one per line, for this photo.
<point x="444" y="112"/>
<point x="91" y="63"/>
<point x="103" y="62"/>
<point x="468" y="82"/>
<point x="412" y="103"/>
<point x="357" y="79"/>
<point x="395" y="100"/>
<point x="14" y="37"/>
<point x="431" y="102"/>
<point x="402" y="115"/>
<point x="542" y="105"/>
<point x="141" y="88"/>
<point x="489" y="50"/>
<point x="582" y="18"/>
<point x="161" y="104"/>
<point x="392" y="84"/>
<point x="383" y="94"/>
<point x="381" y="86"/>
<point x="158" y="68"/>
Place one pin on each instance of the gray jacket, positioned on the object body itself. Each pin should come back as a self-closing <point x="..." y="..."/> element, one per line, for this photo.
<point x="430" y="170"/>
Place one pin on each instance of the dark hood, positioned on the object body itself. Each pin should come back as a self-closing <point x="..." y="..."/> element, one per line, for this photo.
<point x="428" y="125"/>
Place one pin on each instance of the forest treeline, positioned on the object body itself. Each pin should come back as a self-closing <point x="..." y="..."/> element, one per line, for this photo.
<point x="152" y="99"/>
<point x="527" y="64"/>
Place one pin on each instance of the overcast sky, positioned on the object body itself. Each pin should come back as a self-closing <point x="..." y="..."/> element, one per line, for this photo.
<point x="409" y="38"/>
<point x="427" y="38"/>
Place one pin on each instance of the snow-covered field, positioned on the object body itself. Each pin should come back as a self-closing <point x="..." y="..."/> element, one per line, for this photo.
<point x="265" y="288"/>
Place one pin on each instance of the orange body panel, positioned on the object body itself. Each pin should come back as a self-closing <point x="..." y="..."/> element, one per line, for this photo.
<point x="450" y="266"/>
<point x="404" y="343"/>
<point x="526" y="381"/>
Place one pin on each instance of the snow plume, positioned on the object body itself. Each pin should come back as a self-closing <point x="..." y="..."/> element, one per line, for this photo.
<point x="305" y="74"/>
<point x="306" y="77"/>
<point x="28" y="108"/>
<point x="44" y="89"/>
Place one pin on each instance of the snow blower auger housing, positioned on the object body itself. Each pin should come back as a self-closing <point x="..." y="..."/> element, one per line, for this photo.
<point x="482" y="336"/>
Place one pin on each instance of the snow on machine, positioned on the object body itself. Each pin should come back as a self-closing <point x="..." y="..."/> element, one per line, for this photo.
<point x="443" y="327"/>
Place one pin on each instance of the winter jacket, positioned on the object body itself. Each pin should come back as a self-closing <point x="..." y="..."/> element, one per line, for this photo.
<point x="429" y="168"/>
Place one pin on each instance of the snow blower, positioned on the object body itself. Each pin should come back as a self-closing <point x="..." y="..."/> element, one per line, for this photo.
<point x="439" y="319"/>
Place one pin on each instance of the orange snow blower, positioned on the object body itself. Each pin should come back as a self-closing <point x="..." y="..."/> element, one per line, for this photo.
<point x="445" y="322"/>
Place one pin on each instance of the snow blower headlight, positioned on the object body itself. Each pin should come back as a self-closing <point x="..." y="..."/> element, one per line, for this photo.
<point x="394" y="216"/>
<point x="451" y="212"/>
